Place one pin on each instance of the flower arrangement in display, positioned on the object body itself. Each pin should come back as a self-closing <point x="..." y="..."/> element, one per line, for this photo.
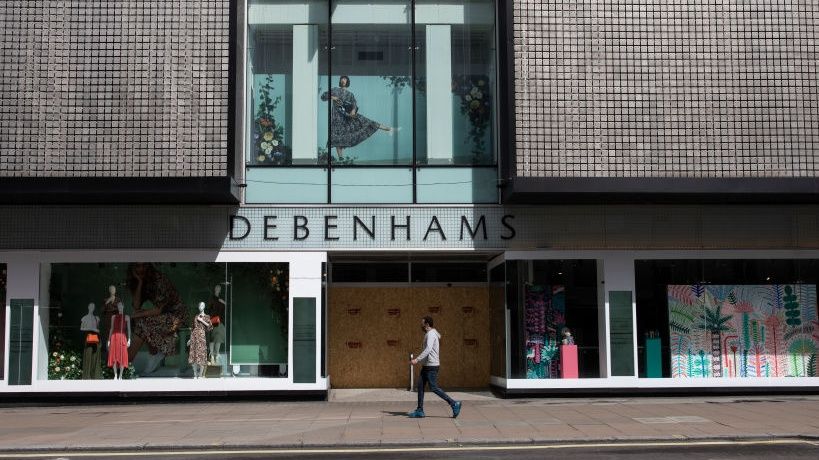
<point x="476" y="104"/>
<point x="268" y="135"/>
<point x="64" y="365"/>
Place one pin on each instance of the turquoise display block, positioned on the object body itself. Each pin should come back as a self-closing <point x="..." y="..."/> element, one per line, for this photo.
<point x="654" y="358"/>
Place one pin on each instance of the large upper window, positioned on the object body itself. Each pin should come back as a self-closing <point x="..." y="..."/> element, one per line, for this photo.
<point x="366" y="102"/>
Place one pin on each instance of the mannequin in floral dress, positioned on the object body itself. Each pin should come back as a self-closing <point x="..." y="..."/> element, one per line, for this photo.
<point x="198" y="355"/>
<point x="118" y="342"/>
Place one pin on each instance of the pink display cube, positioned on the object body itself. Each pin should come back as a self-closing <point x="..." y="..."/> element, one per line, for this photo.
<point x="568" y="361"/>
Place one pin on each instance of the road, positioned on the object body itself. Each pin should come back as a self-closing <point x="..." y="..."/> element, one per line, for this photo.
<point x="773" y="449"/>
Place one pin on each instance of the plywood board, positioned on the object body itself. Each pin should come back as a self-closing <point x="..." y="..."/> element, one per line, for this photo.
<point x="372" y="331"/>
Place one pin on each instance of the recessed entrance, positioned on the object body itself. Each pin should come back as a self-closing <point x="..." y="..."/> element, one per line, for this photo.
<point x="373" y="326"/>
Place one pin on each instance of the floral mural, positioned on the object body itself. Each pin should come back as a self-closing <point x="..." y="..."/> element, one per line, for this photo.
<point x="544" y="317"/>
<point x="743" y="330"/>
<point x="476" y="104"/>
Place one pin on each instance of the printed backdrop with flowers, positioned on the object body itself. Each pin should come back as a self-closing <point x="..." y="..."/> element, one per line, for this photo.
<point x="545" y="316"/>
<point x="743" y="330"/>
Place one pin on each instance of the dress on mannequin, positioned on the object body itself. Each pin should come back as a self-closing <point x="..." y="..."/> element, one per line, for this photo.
<point x="198" y="343"/>
<point x="92" y="348"/>
<point x="118" y="349"/>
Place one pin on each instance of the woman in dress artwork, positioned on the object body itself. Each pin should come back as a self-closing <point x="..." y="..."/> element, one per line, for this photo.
<point x="158" y="326"/>
<point x="348" y="128"/>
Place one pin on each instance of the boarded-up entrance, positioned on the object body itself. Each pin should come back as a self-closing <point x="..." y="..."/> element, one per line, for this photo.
<point x="372" y="330"/>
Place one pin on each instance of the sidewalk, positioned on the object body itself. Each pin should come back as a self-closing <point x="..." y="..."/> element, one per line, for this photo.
<point x="377" y="417"/>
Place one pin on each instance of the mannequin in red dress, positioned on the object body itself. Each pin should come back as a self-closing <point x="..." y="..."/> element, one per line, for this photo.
<point x="118" y="342"/>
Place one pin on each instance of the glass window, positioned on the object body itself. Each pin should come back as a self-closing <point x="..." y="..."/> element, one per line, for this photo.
<point x="727" y="318"/>
<point x="448" y="272"/>
<point x="270" y="52"/>
<point x="547" y="299"/>
<point x="172" y="320"/>
<point x="365" y="272"/>
<point x="369" y="95"/>
<point x="333" y="85"/>
<point x="455" y="67"/>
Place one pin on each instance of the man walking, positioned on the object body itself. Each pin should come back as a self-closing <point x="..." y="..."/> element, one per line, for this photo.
<point x="430" y="359"/>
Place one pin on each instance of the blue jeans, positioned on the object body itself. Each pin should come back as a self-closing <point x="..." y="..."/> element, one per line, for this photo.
<point x="430" y="374"/>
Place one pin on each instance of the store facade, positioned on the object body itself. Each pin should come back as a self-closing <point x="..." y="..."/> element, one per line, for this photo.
<point x="648" y="310"/>
<point x="339" y="169"/>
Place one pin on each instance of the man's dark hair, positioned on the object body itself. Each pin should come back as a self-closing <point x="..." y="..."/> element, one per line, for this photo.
<point x="346" y="80"/>
<point x="428" y="320"/>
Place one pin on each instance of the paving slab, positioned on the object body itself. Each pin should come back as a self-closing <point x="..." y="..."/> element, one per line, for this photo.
<point x="371" y="418"/>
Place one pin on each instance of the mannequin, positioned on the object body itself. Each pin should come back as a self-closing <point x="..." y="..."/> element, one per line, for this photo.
<point x="109" y="308"/>
<point x="198" y="355"/>
<point x="118" y="342"/>
<point x="89" y="326"/>
<point x="567" y="337"/>
<point x="216" y="309"/>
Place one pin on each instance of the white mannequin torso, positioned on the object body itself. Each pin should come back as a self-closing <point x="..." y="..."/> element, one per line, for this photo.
<point x="90" y="323"/>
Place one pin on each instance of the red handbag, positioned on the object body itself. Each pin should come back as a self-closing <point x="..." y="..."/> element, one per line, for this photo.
<point x="92" y="338"/>
<point x="215" y="320"/>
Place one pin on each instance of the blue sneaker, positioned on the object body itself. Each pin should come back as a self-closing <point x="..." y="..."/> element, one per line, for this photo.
<point x="456" y="409"/>
<point x="417" y="413"/>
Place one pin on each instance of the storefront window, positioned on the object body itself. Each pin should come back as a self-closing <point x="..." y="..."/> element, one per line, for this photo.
<point x="173" y="320"/>
<point x="727" y="318"/>
<point x="336" y="85"/>
<point x="553" y="303"/>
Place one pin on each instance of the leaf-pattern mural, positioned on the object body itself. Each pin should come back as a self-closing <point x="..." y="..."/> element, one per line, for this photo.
<point x="743" y="330"/>
<point x="545" y="316"/>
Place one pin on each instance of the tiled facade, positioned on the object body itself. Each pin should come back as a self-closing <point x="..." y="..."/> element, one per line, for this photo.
<point x="133" y="88"/>
<point x="658" y="88"/>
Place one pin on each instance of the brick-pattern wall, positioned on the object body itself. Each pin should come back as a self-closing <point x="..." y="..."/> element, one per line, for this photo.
<point x="127" y="88"/>
<point x="667" y="88"/>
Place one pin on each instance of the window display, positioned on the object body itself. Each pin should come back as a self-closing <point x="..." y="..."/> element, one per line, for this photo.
<point x="352" y="86"/>
<point x="743" y="330"/>
<point x="553" y="305"/>
<point x="742" y="318"/>
<point x="168" y="320"/>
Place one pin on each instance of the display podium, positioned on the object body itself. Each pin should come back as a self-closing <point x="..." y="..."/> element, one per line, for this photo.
<point x="654" y="359"/>
<point x="568" y="362"/>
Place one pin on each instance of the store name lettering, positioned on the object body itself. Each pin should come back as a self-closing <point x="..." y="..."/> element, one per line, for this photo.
<point x="365" y="228"/>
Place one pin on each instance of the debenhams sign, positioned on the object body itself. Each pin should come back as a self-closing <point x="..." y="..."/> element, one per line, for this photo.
<point x="440" y="227"/>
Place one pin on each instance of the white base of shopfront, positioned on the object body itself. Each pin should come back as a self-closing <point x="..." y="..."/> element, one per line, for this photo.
<point x="655" y="383"/>
<point x="162" y="385"/>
